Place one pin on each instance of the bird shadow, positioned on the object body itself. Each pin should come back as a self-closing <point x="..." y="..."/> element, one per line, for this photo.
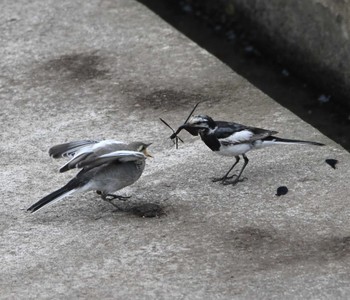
<point x="144" y="210"/>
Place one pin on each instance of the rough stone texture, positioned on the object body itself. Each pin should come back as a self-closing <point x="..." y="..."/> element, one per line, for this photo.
<point x="109" y="69"/>
<point x="310" y="37"/>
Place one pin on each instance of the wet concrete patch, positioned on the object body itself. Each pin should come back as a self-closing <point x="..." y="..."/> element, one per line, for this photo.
<point x="79" y="66"/>
<point x="269" y="248"/>
<point x="322" y="250"/>
<point x="72" y="67"/>
<point x="168" y="98"/>
<point x="336" y="247"/>
<point x="250" y="237"/>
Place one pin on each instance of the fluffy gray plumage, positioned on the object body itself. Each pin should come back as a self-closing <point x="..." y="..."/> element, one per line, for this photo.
<point x="106" y="166"/>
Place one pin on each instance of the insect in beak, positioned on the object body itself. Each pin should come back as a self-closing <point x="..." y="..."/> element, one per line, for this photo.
<point x="177" y="139"/>
<point x="184" y="125"/>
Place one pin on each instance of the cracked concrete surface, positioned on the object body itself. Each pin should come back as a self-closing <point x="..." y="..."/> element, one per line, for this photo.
<point x="110" y="69"/>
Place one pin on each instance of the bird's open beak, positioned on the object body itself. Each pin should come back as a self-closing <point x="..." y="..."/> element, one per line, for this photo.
<point x="145" y="152"/>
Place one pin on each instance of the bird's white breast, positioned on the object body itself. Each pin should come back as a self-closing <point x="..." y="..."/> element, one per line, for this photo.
<point x="234" y="150"/>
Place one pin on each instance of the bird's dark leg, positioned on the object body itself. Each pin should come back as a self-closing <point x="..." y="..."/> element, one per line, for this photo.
<point x="237" y="179"/>
<point x="121" y="198"/>
<point x="110" y="197"/>
<point x="225" y="177"/>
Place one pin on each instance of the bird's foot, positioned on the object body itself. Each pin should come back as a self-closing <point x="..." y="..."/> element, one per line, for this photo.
<point x="233" y="182"/>
<point x="222" y="179"/>
<point x="109" y="197"/>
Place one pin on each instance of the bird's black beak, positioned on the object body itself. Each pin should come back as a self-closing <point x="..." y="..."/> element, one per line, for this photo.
<point x="188" y="127"/>
<point x="178" y="131"/>
<point x="185" y="125"/>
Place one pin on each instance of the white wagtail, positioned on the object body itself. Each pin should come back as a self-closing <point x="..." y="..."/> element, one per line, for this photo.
<point x="232" y="139"/>
<point x="106" y="166"/>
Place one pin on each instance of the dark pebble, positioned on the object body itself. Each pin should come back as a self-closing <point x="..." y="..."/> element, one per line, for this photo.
<point x="332" y="162"/>
<point x="282" y="190"/>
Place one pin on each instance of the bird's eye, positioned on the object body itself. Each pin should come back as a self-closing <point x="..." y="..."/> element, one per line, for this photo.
<point x="141" y="148"/>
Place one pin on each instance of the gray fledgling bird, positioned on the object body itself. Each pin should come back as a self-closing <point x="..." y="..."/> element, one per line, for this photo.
<point x="106" y="167"/>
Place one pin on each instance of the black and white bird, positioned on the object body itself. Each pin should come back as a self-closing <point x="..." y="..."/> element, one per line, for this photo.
<point x="233" y="139"/>
<point x="106" y="167"/>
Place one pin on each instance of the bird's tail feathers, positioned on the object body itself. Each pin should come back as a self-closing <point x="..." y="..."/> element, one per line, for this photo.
<point x="69" y="189"/>
<point x="272" y="140"/>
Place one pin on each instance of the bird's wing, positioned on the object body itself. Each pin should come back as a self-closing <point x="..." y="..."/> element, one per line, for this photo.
<point x="69" y="149"/>
<point x="120" y="156"/>
<point x="234" y="133"/>
<point x="93" y="149"/>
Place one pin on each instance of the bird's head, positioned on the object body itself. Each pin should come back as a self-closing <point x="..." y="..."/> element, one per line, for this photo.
<point x="199" y="123"/>
<point x="140" y="147"/>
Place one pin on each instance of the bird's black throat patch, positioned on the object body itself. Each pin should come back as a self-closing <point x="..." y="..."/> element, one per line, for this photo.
<point x="211" y="141"/>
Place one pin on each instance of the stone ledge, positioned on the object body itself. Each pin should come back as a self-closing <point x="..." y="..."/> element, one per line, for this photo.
<point x="109" y="69"/>
<point x="311" y="38"/>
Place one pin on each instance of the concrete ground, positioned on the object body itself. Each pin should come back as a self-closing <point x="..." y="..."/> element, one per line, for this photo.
<point x="109" y="69"/>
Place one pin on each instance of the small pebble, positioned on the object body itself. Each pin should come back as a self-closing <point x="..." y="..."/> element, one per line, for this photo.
<point x="282" y="190"/>
<point x="332" y="162"/>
